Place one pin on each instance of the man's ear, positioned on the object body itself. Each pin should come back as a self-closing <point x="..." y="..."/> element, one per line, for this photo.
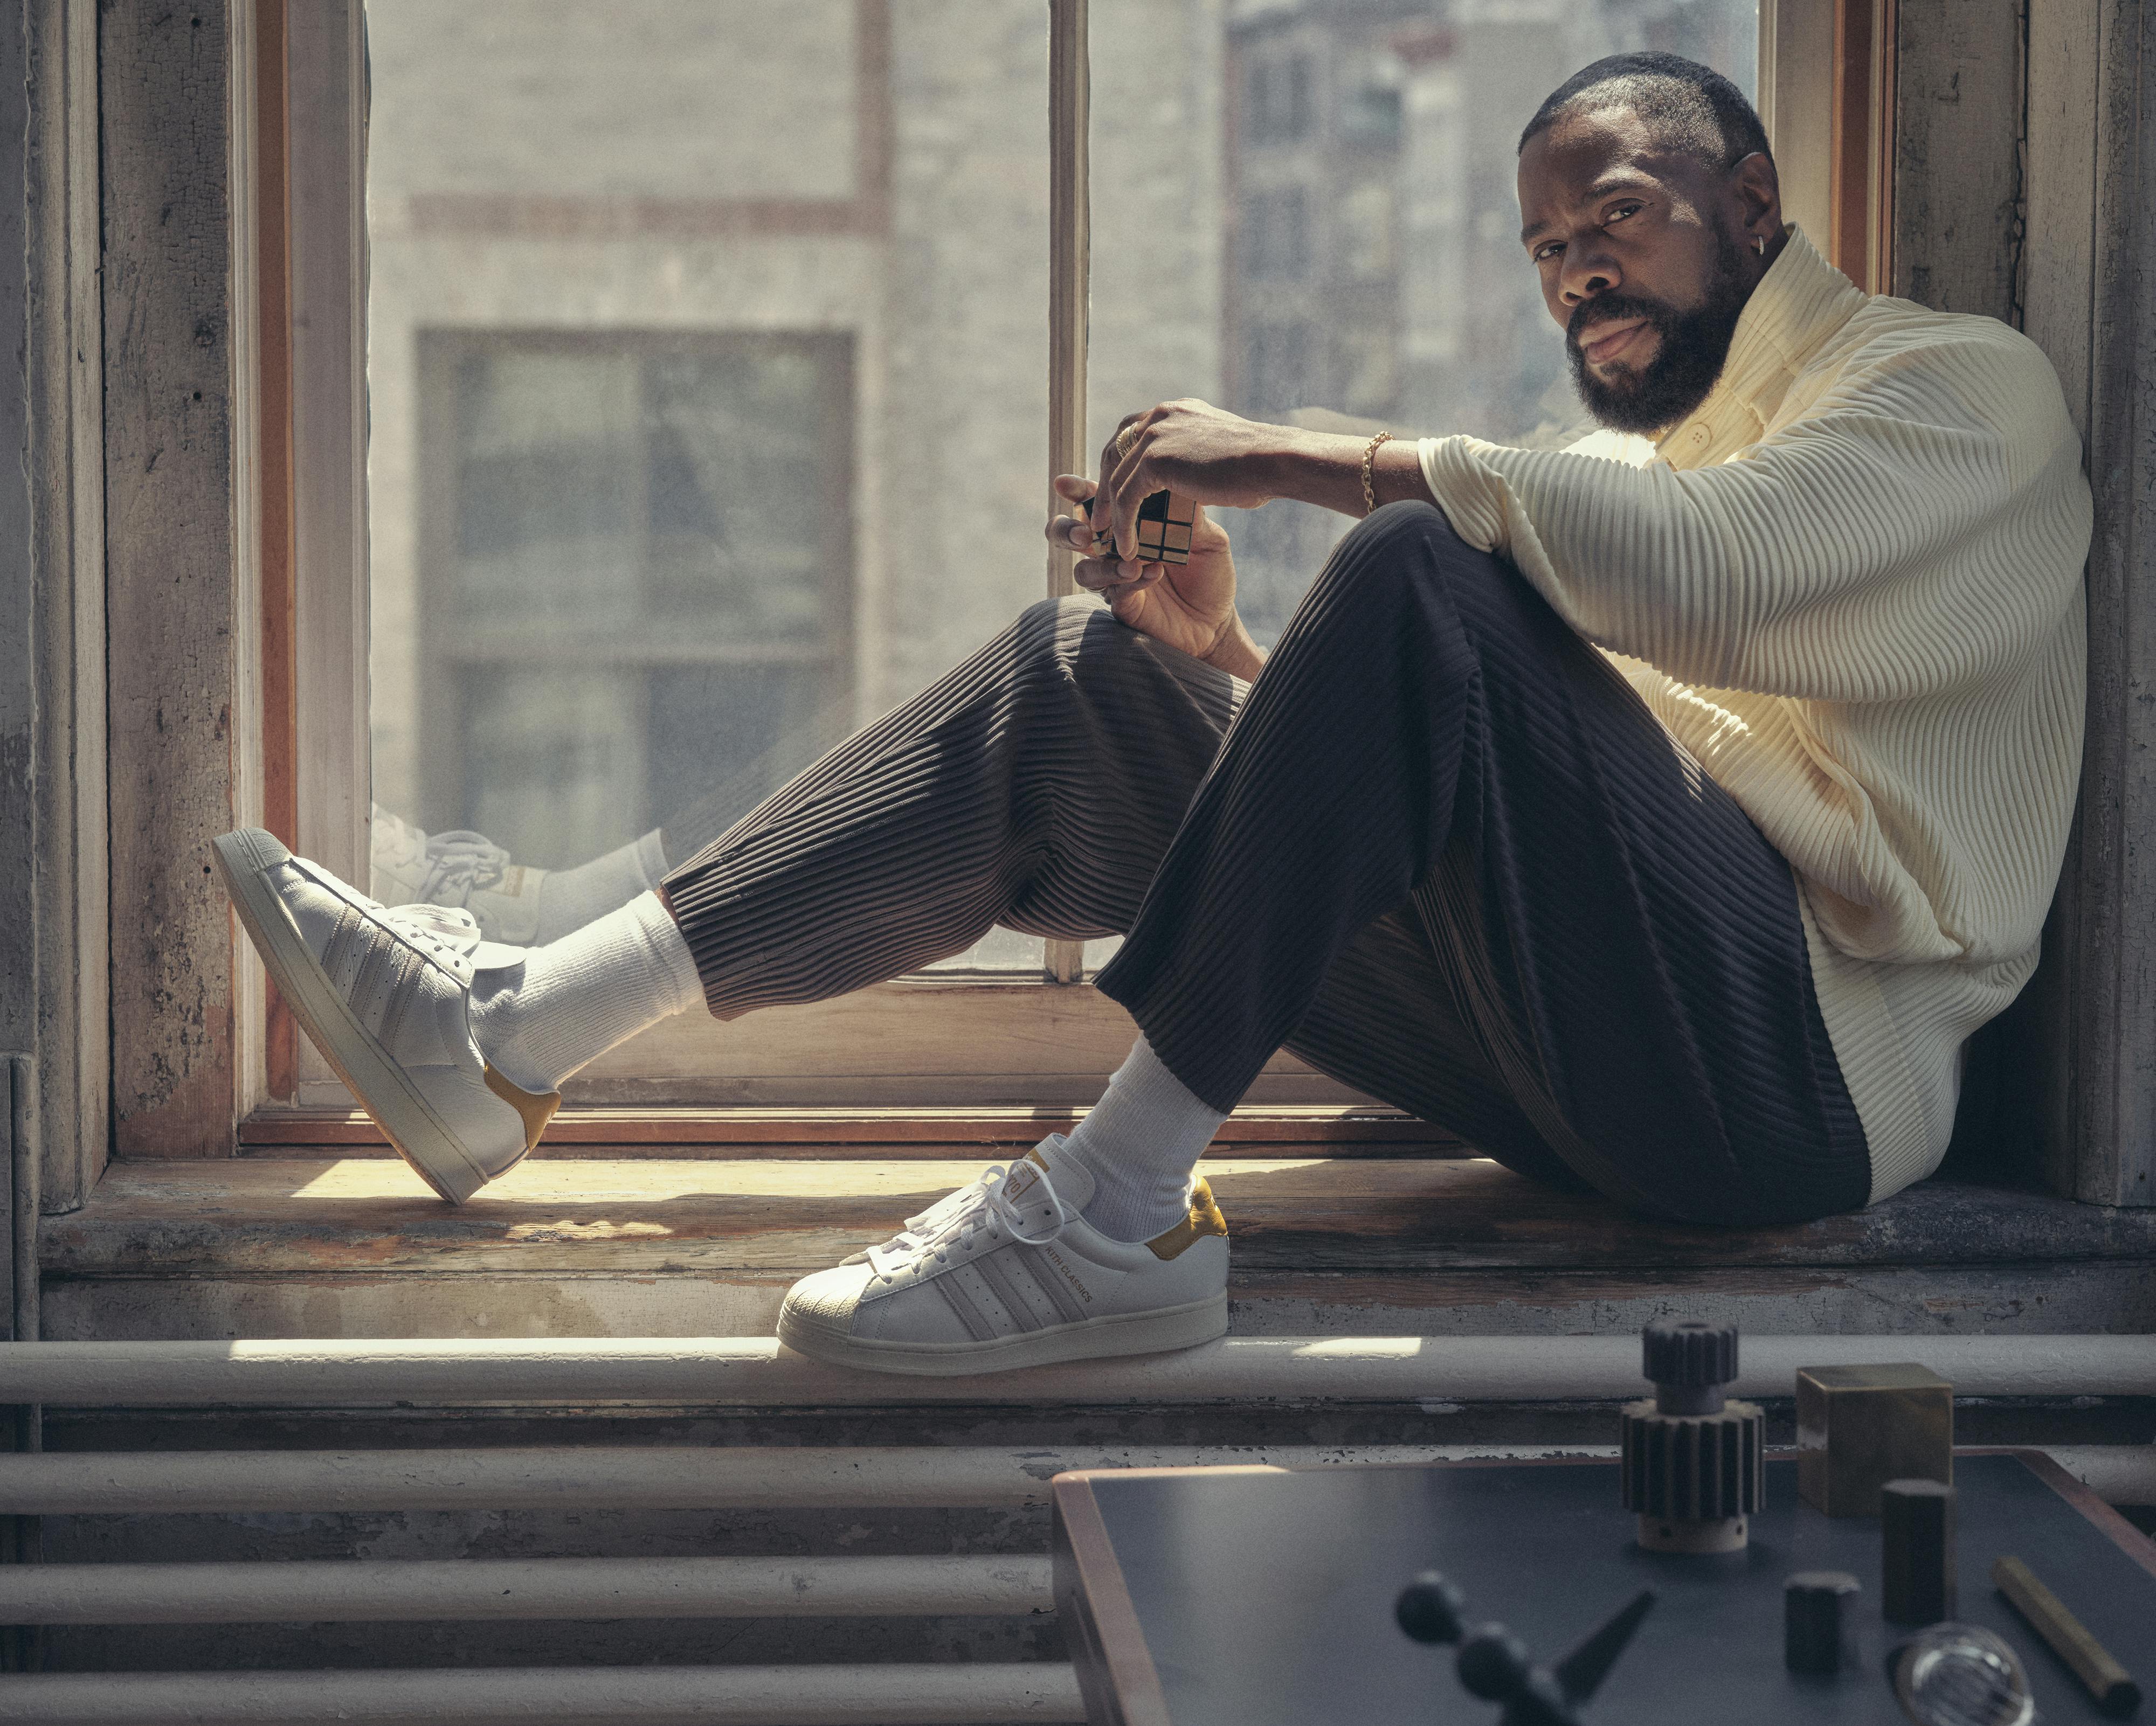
<point x="1757" y="189"/>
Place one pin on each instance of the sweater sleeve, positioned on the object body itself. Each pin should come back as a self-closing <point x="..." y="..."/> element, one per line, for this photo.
<point x="1852" y="556"/>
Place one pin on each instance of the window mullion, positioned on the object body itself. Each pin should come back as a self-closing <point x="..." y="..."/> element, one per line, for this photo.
<point x="1070" y="267"/>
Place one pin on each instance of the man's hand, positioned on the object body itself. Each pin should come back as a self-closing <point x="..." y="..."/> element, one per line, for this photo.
<point x="1191" y="608"/>
<point x="1194" y="449"/>
<point x="1212" y="457"/>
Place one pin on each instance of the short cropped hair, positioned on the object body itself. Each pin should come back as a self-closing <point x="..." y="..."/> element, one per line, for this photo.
<point x="1694" y="108"/>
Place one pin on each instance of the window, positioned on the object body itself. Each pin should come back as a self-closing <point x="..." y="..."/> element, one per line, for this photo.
<point x="1275" y="233"/>
<point x="635" y="580"/>
<point x="701" y="432"/>
<point x="1277" y="102"/>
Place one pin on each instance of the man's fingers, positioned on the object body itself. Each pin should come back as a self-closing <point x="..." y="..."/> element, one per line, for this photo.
<point x="1111" y="576"/>
<point x="1131" y="486"/>
<point x="1125" y="482"/>
<point x="1072" y="533"/>
<point x="1110" y="454"/>
<point x="1075" y="487"/>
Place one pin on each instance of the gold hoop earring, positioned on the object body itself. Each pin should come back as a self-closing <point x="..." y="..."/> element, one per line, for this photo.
<point x="1759" y="244"/>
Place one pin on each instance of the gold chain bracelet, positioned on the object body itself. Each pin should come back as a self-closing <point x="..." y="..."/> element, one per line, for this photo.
<point x="1370" y="474"/>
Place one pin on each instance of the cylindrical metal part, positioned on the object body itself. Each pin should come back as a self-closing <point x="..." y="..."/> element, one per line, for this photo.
<point x="2109" y="1684"/>
<point x="378" y="1590"/>
<point x="1916" y="1551"/>
<point x="1697" y="1535"/>
<point x="1815" y="1633"/>
<point x="1695" y="1480"/>
<point x="1688" y="1362"/>
<point x="754" y="1372"/>
<point x="917" y="1694"/>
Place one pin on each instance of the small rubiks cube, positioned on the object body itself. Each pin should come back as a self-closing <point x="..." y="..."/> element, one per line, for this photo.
<point x="1164" y="524"/>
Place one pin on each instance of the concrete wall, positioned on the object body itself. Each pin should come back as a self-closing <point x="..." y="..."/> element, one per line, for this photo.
<point x="17" y="629"/>
<point x="171" y="570"/>
<point x="53" y="927"/>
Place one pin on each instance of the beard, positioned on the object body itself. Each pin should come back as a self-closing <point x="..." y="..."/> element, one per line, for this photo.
<point x="1688" y="360"/>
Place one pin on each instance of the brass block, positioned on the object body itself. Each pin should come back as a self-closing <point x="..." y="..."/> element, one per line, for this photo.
<point x="1859" y="1426"/>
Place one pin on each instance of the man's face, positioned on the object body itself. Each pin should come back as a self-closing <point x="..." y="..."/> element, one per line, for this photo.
<point x="1640" y="262"/>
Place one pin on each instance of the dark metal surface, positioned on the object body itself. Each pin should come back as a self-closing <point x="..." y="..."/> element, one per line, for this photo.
<point x="1269" y="1598"/>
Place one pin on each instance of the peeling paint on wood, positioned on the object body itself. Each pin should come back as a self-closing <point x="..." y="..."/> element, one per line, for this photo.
<point x="2092" y="212"/>
<point x="1957" y="157"/>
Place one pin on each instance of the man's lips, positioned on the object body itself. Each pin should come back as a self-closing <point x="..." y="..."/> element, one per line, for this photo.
<point x="1611" y="340"/>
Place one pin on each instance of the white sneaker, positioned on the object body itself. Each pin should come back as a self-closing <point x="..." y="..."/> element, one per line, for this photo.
<point x="463" y="869"/>
<point x="386" y="997"/>
<point x="1006" y="1273"/>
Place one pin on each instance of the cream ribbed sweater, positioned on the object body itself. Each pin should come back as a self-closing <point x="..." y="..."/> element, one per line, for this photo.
<point x="1851" y="584"/>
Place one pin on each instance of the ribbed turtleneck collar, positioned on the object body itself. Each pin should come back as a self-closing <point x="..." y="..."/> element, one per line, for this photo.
<point x="1800" y="302"/>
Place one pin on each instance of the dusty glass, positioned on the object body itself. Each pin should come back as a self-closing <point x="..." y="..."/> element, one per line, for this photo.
<point x="707" y="345"/>
<point x="707" y="376"/>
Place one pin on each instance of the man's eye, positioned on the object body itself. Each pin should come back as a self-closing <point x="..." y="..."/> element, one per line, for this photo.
<point x="1542" y="255"/>
<point x="1624" y="210"/>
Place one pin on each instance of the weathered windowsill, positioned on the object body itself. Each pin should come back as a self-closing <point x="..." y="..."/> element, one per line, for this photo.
<point x="653" y="1246"/>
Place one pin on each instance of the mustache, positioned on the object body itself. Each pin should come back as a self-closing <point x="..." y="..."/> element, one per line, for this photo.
<point x="1614" y="308"/>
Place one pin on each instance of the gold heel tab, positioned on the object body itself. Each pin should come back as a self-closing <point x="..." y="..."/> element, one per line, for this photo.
<point x="535" y="1110"/>
<point x="1204" y="1219"/>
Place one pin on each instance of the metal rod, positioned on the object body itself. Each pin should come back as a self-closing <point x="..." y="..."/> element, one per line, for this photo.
<point x="756" y="1372"/>
<point x="1069" y="277"/>
<point x="2116" y="1473"/>
<point x="621" y="1478"/>
<point x="685" y="1478"/>
<point x="909" y="1695"/>
<point x="345" y="1592"/>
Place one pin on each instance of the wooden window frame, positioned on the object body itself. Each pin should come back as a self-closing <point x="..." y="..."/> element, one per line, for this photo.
<point x="299" y="266"/>
<point x="1050" y="1042"/>
<point x="2018" y="192"/>
<point x="1835" y="155"/>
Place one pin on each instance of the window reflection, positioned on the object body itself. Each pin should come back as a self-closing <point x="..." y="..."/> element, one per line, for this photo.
<point x="637" y="589"/>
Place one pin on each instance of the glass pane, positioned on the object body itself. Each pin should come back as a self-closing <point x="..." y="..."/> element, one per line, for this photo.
<point x="707" y="349"/>
<point x="706" y="426"/>
<point x="1316" y="222"/>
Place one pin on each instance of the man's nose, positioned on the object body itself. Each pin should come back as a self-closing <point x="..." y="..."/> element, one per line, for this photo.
<point x="1587" y="273"/>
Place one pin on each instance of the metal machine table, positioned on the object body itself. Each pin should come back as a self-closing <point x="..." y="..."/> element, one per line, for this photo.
<point x="1262" y="1597"/>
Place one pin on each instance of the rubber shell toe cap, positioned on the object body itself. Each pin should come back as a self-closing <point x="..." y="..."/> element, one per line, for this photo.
<point x="828" y="1300"/>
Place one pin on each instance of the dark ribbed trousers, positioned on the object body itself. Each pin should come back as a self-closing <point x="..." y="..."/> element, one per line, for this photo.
<point x="1439" y="849"/>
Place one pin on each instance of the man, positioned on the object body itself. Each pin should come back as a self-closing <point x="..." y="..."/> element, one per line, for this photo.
<point x="1664" y="825"/>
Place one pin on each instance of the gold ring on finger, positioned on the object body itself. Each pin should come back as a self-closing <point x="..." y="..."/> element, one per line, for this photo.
<point x="1124" y="439"/>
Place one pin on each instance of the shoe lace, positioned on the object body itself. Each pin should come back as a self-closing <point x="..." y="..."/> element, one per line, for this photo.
<point x="981" y="1211"/>
<point x="441" y="931"/>
<point x="459" y="862"/>
<point x="917" y="1228"/>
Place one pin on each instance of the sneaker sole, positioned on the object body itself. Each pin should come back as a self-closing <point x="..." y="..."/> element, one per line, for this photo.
<point x="437" y="1156"/>
<point x="1153" y="1332"/>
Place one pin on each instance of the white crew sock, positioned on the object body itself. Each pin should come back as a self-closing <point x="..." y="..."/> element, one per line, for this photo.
<point x="572" y="1000"/>
<point x="569" y="898"/>
<point x="1140" y="1142"/>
